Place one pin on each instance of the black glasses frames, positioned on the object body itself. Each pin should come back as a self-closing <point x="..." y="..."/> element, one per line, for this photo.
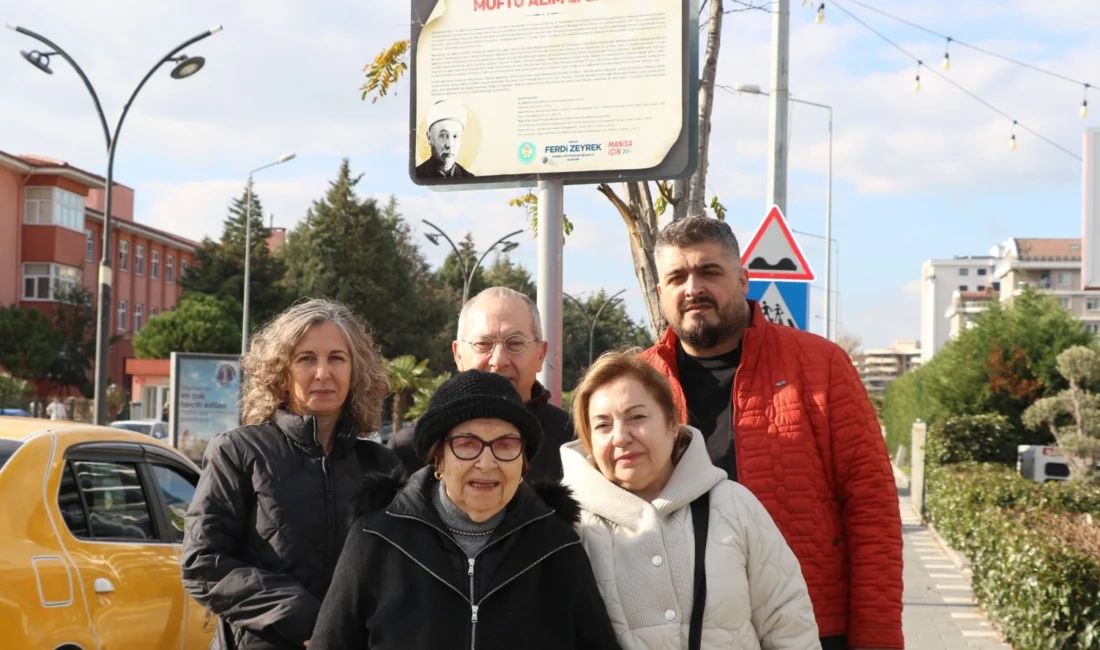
<point x="470" y="447"/>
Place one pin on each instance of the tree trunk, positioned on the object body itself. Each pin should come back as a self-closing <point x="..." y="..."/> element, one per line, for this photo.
<point x="400" y="407"/>
<point x="689" y="194"/>
<point x="641" y="224"/>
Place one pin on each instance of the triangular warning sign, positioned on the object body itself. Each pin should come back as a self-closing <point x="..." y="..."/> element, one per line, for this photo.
<point x="773" y="253"/>
<point x="775" y="308"/>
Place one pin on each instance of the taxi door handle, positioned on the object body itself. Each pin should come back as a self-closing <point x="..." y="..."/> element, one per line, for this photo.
<point x="103" y="586"/>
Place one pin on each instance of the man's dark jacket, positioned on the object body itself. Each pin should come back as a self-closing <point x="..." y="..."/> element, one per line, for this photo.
<point x="557" y="429"/>
<point x="403" y="583"/>
<point x="267" y="524"/>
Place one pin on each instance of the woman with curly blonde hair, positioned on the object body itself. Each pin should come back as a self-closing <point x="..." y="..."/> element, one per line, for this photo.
<point x="278" y="495"/>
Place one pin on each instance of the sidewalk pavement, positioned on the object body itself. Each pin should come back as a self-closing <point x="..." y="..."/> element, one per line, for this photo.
<point x="939" y="610"/>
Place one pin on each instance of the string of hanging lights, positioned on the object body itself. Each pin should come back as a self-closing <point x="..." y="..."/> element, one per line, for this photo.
<point x="948" y="40"/>
<point x="820" y="17"/>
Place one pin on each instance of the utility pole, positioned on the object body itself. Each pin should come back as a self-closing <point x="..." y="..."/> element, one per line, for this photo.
<point x="777" y="129"/>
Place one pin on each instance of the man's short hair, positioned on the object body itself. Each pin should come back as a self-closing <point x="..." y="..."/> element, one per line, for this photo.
<point x="501" y="293"/>
<point x="690" y="231"/>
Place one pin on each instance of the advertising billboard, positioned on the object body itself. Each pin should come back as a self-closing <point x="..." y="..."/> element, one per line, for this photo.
<point x="205" y="393"/>
<point x="507" y="92"/>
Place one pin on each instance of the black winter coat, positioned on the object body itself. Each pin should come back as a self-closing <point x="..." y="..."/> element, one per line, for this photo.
<point x="557" y="429"/>
<point x="267" y="524"/>
<point x="403" y="583"/>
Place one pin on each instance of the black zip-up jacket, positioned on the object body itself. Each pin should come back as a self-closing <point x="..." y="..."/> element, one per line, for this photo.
<point x="403" y="583"/>
<point x="267" y="524"/>
<point x="557" y="429"/>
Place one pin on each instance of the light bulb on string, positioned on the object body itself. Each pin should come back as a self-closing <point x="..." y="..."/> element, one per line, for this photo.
<point x="1085" y="103"/>
<point x="947" y="55"/>
<point x="820" y="18"/>
<point x="916" y="82"/>
<point x="1012" y="140"/>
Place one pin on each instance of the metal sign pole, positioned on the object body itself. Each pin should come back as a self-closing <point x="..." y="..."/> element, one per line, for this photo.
<point x="551" y="241"/>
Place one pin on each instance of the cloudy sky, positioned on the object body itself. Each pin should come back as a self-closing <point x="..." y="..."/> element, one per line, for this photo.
<point x="916" y="175"/>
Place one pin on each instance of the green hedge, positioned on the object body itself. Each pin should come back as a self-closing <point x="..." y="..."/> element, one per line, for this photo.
<point x="1036" y="561"/>
<point x="989" y="438"/>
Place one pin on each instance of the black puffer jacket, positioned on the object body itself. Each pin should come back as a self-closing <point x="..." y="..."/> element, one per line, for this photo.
<point x="267" y="524"/>
<point x="557" y="429"/>
<point x="403" y="583"/>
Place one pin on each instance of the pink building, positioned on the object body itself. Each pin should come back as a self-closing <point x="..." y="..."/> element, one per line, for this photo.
<point x="51" y="226"/>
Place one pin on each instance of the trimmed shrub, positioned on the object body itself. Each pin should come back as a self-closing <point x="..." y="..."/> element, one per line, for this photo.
<point x="989" y="438"/>
<point x="1034" y="549"/>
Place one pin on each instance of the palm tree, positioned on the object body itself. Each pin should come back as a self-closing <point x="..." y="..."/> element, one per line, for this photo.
<point x="407" y="375"/>
<point x="424" y="393"/>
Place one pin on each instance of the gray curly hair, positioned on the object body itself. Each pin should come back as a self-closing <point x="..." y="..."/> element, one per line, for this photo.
<point x="266" y="367"/>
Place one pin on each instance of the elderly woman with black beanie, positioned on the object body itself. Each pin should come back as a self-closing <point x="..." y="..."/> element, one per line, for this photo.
<point x="465" y="554"/>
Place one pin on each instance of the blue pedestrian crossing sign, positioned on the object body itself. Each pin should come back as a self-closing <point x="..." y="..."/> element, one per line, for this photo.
<point x="785" y="303"/>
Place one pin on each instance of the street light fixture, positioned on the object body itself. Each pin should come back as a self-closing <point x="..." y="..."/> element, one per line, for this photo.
<point x="187" y="66"/>
<point x="248" y="241"/>
<point x="594" y="319"/>
<point x="184" y="69"/>
<point x="753" y="89"/>
<point x="467" y="270"/>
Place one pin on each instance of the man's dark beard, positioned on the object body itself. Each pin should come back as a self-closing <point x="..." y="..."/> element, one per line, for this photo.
<point x="703" y="335"/>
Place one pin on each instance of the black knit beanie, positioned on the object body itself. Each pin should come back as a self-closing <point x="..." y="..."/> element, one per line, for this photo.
<point x="469" y="396"/>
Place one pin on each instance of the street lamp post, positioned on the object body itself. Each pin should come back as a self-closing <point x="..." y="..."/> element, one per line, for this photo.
<point x="248" y="247"/>
<point x="185" y="67"/>
<point x="467" y="270"/>
<point x="594" y="319"/>
<point x="753" y="89"/>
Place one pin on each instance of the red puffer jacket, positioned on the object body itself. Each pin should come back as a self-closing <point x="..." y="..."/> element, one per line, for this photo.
<point x="810" y="448"/>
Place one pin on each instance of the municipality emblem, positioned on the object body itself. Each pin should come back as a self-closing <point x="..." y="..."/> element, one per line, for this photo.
<point x="526" y="153"/>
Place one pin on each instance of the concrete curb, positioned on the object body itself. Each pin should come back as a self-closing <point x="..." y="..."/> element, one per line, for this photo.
<point x="900" y="478"/>
<point x="961" y="562"/>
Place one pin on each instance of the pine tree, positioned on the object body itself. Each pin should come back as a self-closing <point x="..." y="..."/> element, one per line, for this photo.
<point x="349" y="250"/>
<point x="219" y="266"/>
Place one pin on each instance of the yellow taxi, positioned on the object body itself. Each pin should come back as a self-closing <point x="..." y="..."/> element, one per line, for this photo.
<point x="91" y="528"/>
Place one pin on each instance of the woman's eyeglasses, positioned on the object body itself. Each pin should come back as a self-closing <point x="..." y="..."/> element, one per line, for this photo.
<point x="469" y="447"/>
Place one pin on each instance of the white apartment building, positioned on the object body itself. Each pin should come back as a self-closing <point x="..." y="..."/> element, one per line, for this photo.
<point x="877" y="368"/>
<point x="941" y="280"/>
<point x="956" y="290"/>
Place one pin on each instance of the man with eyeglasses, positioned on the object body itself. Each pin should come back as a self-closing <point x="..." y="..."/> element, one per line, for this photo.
<point x="500" y="331"/>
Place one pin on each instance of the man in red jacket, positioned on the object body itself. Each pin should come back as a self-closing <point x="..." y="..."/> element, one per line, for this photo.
<point x="785" y="414"/>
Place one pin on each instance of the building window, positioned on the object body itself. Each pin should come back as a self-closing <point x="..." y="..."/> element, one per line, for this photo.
<point x="152" y="312"/>
<point x="47" y="281"/>
<point x="1063" y="278"/>
<point x="122" y="315"/>
<point x="53" y="206"/>
<point x="89" y="246"/>
<point x="963" y="272"/>
<point x="1093" y="327"/>
<point x="123" y="256"/>
<point x="982" y="271"/>
<point x="137" y="317"/>
<point x="996" y="286"/>
<point x="1065" y="303"/>
<point x="170" y="270"/>
<point x="183" y="270"/>
<point x="980" y="287"/>
<point x="1092" y="304"/>
<point x="156" y="265"/>
<point x="963" y="287"/>
<point x="139" y="260"/>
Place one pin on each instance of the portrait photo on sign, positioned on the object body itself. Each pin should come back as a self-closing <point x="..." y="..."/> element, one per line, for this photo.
<point x="447" y="141"/>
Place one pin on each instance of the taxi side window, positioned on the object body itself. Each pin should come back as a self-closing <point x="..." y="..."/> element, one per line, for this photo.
<point x="178" y="490"/>
<point x="68" y="500"/>
<point x="118" y="508"/>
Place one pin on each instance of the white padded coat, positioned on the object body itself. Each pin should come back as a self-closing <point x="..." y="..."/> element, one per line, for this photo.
<point x="643" y="555"/>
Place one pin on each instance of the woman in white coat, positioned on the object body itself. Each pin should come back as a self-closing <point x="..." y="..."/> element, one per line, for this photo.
<point x="637" y="473"/>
